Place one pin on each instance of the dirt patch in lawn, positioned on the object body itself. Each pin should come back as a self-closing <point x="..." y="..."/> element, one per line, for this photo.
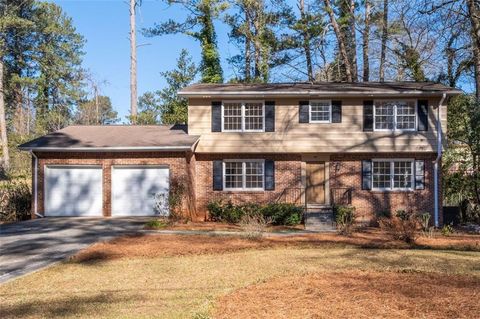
<point x="158" y="245"/>
<point x="356" y="295"/>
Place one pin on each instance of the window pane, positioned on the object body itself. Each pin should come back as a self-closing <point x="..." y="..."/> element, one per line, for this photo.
<point x="402" y="174"/>
<point x="233" y="175"/>
<point x="381" y="175"/>
<point x="253" y="116"/>
<point x="254" y="175"/>
<point x="232" y="116"/>
<point x="320" y="111"/>
<point x="405" y="115"/>
<point x="384" y="115"/>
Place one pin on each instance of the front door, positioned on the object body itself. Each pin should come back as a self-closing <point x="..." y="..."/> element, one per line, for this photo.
<point x="315" y="182"/>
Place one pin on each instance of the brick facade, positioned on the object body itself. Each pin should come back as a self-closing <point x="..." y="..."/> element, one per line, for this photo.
<point x="196" y="172"/>
<point x="287" y="175"/>
<point x="178" y="162"/>
<point x="345" y="171"/>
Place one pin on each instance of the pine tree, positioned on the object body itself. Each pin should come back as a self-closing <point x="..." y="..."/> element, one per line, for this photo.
<point x="199" y="25"/>
<point x="165" y="106"/>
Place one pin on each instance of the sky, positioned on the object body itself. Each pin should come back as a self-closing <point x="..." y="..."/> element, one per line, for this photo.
<point x="105" y="25"/>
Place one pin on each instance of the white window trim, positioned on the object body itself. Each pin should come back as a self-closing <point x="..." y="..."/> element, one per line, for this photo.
<point x="395" y="116"/>
<point x="310" y="111"/>
<point x="392" y="172"/>
<point x="244" y="179"/>
<point x="242" y="119"/>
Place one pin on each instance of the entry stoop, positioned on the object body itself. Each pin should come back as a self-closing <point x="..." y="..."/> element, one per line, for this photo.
<point x="319" y="218"/>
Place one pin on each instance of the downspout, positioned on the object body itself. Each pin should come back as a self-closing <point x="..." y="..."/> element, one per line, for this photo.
<point x="35" y="185"/>
<point x="436" y="181"/>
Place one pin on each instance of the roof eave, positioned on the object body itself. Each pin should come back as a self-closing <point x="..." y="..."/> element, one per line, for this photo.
<point x="234" y="94"/>
<point x="110" y="149"/>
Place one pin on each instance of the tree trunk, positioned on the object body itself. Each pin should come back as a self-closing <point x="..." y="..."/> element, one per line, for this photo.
<point x="352" y="41"/>
<point x="341" y="41"/>
<point x="133" y="63"/>
<point x="248" y="57"/>
<point x="3" y="123"/>
<point x="474" y="14"/>
<point x="384" y="41"/>
<point x="366" y="42"/>
<point x="306" y="41"/>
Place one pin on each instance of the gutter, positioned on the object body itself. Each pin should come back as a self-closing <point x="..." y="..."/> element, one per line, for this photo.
<point x="35" y="185"/>
<point x="108" y="149"/>
<point x="437" y="161"/>
<point x="309" y="93"/>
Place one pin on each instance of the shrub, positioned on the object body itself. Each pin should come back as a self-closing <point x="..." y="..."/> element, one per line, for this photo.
<point x="156" y="224"/>
<point x="427" y="230"/>
<point x="254" y="226"/>
<point x="283" y="213"/>
<point x="345" y="218"/>
<point x="447" y="230"/>
<point x="15" y="200"/>
<point x="229" y="212"/>
<point x="277" y="214"/>
<point x="402" y="226"/>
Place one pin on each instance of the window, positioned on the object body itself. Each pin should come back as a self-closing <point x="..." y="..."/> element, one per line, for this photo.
<point x="243" y="116"/>
<point x="320" y="112"/>
<point x="395" y="115"/>
<point x="244" y="175"/>
<point x="397" y="174"/>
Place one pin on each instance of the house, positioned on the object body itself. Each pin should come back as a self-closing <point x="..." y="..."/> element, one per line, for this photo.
<point x="376" y="146"/>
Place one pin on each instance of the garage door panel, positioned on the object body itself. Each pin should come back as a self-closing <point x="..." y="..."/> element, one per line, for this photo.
<point x="73" y="191"/>
<point x="134" y="189"/>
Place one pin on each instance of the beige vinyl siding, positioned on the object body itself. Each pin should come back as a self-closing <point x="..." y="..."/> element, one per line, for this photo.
<point x="292" y="136"/>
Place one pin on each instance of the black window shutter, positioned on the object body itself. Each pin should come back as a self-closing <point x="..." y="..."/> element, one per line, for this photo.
<point x="216" y="116"/>
<point x="368" y="116"/>
<point x="217" y="175"/>
<point x="367" y="174"/>
<point x="336" y="111"/>
<point x="303" y="112"/>
<point x="269" y="175"/>
<point x="419" y="174"/>
<point x="422" y="115"/>
<point x="269" y="116"/>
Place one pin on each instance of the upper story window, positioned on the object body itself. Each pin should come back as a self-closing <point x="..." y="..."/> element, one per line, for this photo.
<point x="243" y="174"/>
<point x="394" y="115"/>
<point x="392" y="174"/>
<point x="320" y="111"/>
<point x="243" y="117"/>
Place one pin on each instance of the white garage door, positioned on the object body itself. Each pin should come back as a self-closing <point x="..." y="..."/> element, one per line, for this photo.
<point x="136" y="190"/>
<point x="73" y="191"/>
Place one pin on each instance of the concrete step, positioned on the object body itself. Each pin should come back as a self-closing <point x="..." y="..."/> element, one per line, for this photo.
<point x="319" y="221"/>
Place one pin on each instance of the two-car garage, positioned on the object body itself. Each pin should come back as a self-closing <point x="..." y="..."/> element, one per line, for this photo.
<point x="77" y="190"/>
<point x="110" y="170"/>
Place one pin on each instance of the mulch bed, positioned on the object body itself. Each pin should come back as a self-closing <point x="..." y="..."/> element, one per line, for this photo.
<point x="356" y="295"/>
<point x="156" y="245"/>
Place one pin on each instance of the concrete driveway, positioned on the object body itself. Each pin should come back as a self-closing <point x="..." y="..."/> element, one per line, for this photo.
<point x="30" y="245"/>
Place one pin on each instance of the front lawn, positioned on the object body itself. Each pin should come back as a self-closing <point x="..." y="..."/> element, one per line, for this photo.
<point x="327" y="275"/>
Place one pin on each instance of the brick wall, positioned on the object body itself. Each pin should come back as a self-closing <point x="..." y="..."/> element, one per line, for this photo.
<point x="287" y="175"/>
<point x="197" y="172"/>
<point x="179" y="164"/>
<point x="345" y="171"/>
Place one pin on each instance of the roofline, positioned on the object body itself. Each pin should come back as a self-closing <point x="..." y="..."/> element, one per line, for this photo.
<point x="233" y="94"/>
<point x="110" y="148"/>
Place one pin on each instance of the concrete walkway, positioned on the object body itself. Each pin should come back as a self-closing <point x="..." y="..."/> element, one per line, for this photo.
<point x="31" y="245"/>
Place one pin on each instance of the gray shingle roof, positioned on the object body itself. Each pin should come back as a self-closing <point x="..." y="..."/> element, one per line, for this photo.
<point x="115" y="137"/>
<point x="321" y="88"/>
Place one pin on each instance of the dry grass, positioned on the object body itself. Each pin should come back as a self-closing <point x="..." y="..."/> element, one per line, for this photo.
<point x="216" y="226"/>
<point x="356" y="295"/>
<point x="172" y="276"/>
